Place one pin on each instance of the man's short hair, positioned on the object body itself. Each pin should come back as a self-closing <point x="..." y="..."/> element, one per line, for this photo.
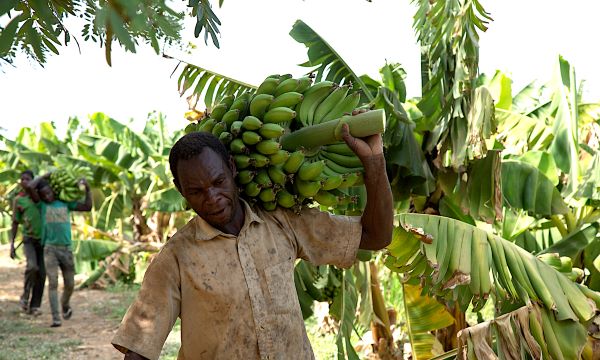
<point x="191" y="145"/>
<point x="42" y="184"/>
<point x="28" y="172"/>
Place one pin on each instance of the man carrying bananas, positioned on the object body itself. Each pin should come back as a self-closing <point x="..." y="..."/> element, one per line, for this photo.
<point x="228" y="274"/>
<point x="26" y="212"/>
<point x="56" y="239"/>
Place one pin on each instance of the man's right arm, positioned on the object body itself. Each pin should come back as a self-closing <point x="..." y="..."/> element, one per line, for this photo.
<point x="13" y="235"/>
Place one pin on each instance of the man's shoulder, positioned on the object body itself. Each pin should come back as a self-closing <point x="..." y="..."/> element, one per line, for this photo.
<point x="186" y="233"/>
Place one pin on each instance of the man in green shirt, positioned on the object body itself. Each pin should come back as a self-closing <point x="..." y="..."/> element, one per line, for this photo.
<point x="56" y="239"/>
<point x="27" y="213"/>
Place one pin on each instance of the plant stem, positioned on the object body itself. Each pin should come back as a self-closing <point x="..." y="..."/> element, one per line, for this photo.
<point x="571" y="222"/>
<point x="361" y="125"/>
<point x="559" y="225"/>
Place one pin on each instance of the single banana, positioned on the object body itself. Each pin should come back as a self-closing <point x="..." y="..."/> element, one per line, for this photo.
<point x="268" y="86"/>
<point x="252" y="189"/>
<point x="279" y="158"/>
<point x="307" y="188"/>
<point x="294" y="162"/>
<point x="286" y="86"/>
<point x="237" y="146"/>
<point x="259" y="104"/>
<point x="250" y="137"/>
<point x="279" y="115"/>
<point x="267" y="195"/>
<point x="245" y="176"/>
<point x="311" y="170"/>
<point x="259" y="160"/>
<point x="271" y="131"/>
<point x="268" y="147"/>
<point x="231" y="116"/>
<point x="329" y="103"/>
<point x="242" y="161"/>
<point x="288" y="99"/>
<point x="312" y="98"/>
<point x="251" y="123"/>
<point x="285" y="199"/>
<point x="344" y="107"/>
<point x="343" y="160"/>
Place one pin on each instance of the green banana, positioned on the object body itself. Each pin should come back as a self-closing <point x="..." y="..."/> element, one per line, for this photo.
<point x="277" y="175"/>
<point x="242" y="161"/>
<point x="340" y="148"/>
<point x="259" y="104"/>
<point x="349" y="181"/>
<point x="269" y="205"/>
<point x="286" y="86"/>
<point x="304" y="84"/>
<point x="307" y="188"/>
<point x="262" y="178"/>
<point x="219" y="111"/>
<point x="268" y="86"/>
<point x="332" y="182"/>
<point x="326" y="198"/>
<point x="294" y="162"/>
<point x="271" y="131"/>
<point x="226" y="137"/>
<point x="207" y="125"/>
<point x="252" y="189"/>
<point x="251" y="123"/>
<point x="259" y="160"/>
<point x="288" y="99"/>
<point x="227" y="101"/>
<point x="237" y="146"/>
<point x="267" y="195"/>
<point x="343" y="160"/>
<point x="344" y="107"/>
<point x="279" y="115"/>
<point x="285" y="199"/>
<point x="219" y="128"/>
<point x="330" y="102"/>
<point x="241" y="103"/>
<point x="245" y="176"/>
<point x="235" y="128"/>
<point x="250" y="137"/>
<point x="268" y="147"/>
<point x="341" y="169"/>
<point x="312" y="99"/>
<point x="231" y="116"/>
<point x="311" y="170"/>
<point x="279" y="158"/>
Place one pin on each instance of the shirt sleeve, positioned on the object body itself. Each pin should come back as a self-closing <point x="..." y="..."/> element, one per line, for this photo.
<point x="324" y="238"/>
<point x="17" y="214"/>
<point x="151" y="317"/>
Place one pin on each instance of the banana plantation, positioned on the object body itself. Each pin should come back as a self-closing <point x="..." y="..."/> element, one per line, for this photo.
<point x="496" y="241"/>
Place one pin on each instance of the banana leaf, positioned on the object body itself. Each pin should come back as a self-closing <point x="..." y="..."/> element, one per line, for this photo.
<point x="564" y="107"/>
<point x="484" y="192"/>
<point x="541" y="160"/>
<point x="343" y="309"/>
<point x="325" y="61"/>
<point x="88" y="252"/>
<point x="457" y="260"/>
<point x="424" y="315"/>
<point x="166" y="200"/>
<point x="575" y="242"/>
<point x="590" y="185"/>
<point x="209" y="85"/>
<point x="206" y="20"/>
<point x="500" y="87"/>
<point x="526" y="187"/>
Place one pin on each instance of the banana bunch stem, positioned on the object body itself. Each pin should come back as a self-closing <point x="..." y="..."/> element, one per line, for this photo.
<point x="361" y="125"/>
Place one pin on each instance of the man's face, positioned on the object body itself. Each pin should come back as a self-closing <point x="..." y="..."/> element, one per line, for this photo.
<point x="207" y="183"/>
<point x="25" y="179"/>
<point x="46" y="194"/>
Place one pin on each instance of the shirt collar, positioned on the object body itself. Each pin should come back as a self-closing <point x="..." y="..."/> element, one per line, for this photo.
<point x="205" y="231"/>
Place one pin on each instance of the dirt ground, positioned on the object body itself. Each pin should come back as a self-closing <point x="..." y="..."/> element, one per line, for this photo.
<point x="87" y="335"/>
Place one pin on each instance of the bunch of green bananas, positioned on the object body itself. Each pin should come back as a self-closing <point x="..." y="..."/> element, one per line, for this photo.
<point x="251" y="125"/>
<point x="65" y="182"/>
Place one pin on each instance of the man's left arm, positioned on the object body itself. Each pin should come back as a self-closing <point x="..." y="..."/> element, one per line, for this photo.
<point x="87" y="204"/>
<point x="378" y="217"/>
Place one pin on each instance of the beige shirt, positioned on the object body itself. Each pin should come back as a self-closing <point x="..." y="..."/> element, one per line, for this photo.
<point x="235" y="295"/>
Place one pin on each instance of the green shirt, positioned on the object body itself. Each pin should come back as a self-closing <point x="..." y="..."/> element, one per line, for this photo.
<point x="27" y="213"/>
<point x="56" y="221"/>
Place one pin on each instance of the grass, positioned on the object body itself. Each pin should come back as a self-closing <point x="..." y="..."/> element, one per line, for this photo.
<point x="323" y="344"/>
<point x="20" y="339"/>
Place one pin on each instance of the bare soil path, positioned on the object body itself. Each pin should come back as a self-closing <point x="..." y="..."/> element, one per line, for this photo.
<point x="87" y="335"/>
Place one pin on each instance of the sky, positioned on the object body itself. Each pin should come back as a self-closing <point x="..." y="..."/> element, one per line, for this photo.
<point x="524" y="40"/>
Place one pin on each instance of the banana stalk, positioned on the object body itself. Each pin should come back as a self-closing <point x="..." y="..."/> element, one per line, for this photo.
<point x="361" y="125"/>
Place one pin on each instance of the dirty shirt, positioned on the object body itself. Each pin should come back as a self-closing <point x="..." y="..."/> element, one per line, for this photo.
<point x="235" y="295"/>
<point x="56" y="222"/>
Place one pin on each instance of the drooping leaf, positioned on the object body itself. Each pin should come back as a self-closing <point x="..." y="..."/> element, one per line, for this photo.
<point x="484" y="191"/>
<point x="541" y="160"/>
<point x="526" y="187"/>
<point x="166" y="200"/>
<point x="480" y="257"/>
<point x="575" y="242"/>
<point x="325" y="61"/>
<point x="424" y="315"/>
<point x="343" y="309"/>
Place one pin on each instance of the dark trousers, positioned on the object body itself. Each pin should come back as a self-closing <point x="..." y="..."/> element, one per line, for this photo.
<point x="35" y="272"/>
<point x="59" y="257"/>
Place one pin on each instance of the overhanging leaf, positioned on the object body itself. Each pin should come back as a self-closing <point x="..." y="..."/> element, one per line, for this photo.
<point x="324" y="60"/>
<point x="575" y="242"/>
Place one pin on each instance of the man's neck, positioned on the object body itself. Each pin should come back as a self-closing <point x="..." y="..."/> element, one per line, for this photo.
<point x="237" y="221"/>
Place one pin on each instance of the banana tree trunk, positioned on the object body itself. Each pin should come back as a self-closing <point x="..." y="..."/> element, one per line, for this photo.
<point x="383" y="340"/>
<point x="140" y="226"/>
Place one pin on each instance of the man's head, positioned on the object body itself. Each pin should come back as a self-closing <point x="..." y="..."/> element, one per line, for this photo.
<point x="203" y="172"/>
<point x="26" y="177"/>
<point x="45" y="191"/>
